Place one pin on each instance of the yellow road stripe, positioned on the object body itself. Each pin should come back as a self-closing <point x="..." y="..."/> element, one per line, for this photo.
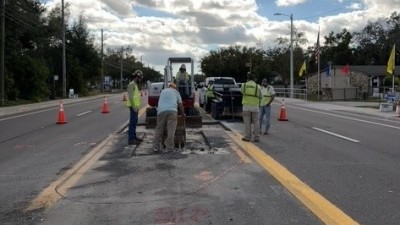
<point x="242" y="156"/>
<point x="321" y="207"/>
<point x="56" y="190"/>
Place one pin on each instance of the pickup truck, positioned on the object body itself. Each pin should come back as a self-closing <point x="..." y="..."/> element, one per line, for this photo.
<point x="227" y="97"/>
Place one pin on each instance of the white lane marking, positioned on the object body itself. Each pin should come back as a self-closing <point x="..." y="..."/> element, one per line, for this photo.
<point x="349" y="118"/>
<point x="337" y="135"/>
<point x="84" y="113"/>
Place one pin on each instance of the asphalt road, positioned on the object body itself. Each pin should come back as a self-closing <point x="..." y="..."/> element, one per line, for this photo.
<point x="350" y="159"/>
<point x="34" y="150"/>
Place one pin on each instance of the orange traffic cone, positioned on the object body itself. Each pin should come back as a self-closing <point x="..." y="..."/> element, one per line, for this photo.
<point x="105" y="106"/>
<point x="282" y="114"/>
<point x="61" y="115"/>
<point x="124" y="98"/>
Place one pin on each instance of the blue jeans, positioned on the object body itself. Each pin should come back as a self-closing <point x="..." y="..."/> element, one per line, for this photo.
<point x="133" y="120"/>
<point x="265" y="111"/>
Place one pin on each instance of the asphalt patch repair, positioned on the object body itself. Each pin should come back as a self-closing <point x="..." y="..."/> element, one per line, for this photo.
<point x="208" y="140"/>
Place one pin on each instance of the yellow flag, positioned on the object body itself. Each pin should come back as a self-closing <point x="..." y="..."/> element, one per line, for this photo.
<point x="302" y="69"/>
<point x="390" y="64"/>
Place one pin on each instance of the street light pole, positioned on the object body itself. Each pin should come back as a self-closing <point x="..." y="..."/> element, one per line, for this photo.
<point x="64" y="67"/>
<point x="290" y="49"/>
<point x="291" y="56"/>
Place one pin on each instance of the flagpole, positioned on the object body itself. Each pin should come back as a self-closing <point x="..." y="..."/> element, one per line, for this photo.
<point x="319" y="76"/>
<point x="393" y="79"/>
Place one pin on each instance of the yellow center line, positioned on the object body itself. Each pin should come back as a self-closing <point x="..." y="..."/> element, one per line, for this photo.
<point x="321" y="207"/>
<point x="56" y="190"/>
<point x="242" y="156"/>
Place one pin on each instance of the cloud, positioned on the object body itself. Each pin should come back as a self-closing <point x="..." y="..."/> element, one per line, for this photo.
<point x="120" y="7"/>
<point x="158" y="29"/>
<point x="354" y="6"/>
<point x="284" y="3"/>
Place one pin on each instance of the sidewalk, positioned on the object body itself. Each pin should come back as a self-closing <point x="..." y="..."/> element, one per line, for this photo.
<point x="7" y="110"/>
<point x="367" y="108"/>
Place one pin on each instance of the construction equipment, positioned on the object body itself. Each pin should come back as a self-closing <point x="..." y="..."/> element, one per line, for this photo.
<point x="193" y="117"/>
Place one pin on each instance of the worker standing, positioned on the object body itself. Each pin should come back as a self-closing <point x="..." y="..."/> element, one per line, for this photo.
<point x="183" y="81"/>
<point x="167" y="117"/>
<point x="268" y="96"/>
<point x="251" y="92"/>
<point x="209" y="95"/>
<point x="133" y="102"/>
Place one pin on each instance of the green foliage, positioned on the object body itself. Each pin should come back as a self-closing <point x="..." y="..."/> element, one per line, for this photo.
<point x="31" y="79"/>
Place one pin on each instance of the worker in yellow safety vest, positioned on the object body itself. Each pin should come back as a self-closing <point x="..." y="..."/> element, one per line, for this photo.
<point x="209" y="96"/>
<point x="133" y="103"/>
<point x="182" y="79"/>
<point x="252" y="95"/>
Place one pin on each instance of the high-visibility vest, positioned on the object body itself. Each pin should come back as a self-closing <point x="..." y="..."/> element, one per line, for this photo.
<point x="250" y="92"/>
<point x="133" y="96"/>
<point x="266" y="95"/>
<point x="210" y="91"/>
<point x="182" y="76"/>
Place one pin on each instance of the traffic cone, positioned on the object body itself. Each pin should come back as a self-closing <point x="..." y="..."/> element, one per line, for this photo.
<point x="61" y="115"/>
<point x="398" y="109"/>
<point x="124" y="98"/>
<point x="141" y="93"/>
<point x="282" y="114"/>
<point x="105" y="106"/>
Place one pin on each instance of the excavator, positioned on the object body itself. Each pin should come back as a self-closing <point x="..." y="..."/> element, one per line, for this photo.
<point x="193" y="116"/>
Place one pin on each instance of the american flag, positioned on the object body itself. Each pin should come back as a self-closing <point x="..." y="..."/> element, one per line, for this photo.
<point x="317" y="49"/>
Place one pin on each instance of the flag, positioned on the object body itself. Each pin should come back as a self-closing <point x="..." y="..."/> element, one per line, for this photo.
<point x="391" y="61"/>
<point x="329" y="70"/>
<point x="317" y="48"/>
<point x="345" y="69"/>
<point x="302" y="69"/>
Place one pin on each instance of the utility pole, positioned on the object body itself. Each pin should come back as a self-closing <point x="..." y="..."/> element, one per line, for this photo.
<point x="290" y="49"/>
<point x="291" y="56"/>
<point x="64" y="67"/>
<point x="3" y="36"/>
<point x="122" y="59"/>
<point x="102" y="64"/>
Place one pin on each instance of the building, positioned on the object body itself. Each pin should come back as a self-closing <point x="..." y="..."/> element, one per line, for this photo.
<point x="351" y="82"/>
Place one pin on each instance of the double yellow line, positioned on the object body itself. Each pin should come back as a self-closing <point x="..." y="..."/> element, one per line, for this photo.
<point x="321" y="207"/>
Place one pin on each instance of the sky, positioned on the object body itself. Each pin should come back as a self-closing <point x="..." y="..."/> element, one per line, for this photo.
<point x="159" y="29"/>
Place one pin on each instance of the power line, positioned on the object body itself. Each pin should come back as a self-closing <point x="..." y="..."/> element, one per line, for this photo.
<point x="321" y="14"/>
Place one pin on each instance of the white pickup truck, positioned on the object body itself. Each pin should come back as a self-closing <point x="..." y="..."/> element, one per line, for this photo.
<point x="219" y="84"/>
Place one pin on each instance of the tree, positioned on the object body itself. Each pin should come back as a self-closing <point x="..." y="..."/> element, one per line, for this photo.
<point x="24" y="61"/>
<point x="337" y="49"/>
<point x="232" y="61"/>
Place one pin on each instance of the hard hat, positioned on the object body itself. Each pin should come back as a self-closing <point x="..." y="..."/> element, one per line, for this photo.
<point x="183" y="66"/>
<point x="138" y="73"/>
